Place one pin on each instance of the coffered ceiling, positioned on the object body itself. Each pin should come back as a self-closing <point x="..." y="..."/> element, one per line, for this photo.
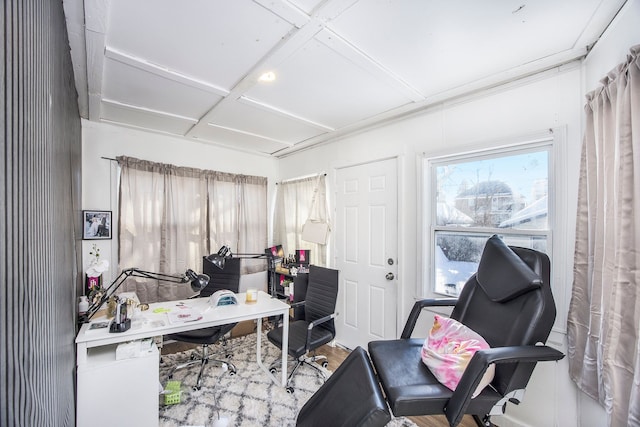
<point x="193" y="68"/>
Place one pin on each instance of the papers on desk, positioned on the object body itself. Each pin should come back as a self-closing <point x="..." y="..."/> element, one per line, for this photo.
<point x="95" y="326"/>
<point x="183" y="315"/>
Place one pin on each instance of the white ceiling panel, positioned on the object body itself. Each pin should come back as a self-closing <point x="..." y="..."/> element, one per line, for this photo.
<point x="260" y="120"/>
<point x="233" y="139"/>
<point x="306" y="5"/>
<point x="144" y="119"/>
<point x="308" y="85"/>
<point x="435" y="46"/>
<point x="130" y="85"/>
<point x="192" y="68"/>
<point x="217" y="41"/>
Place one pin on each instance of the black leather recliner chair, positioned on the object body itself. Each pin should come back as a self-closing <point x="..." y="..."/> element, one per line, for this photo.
<point x="508" y="302"/>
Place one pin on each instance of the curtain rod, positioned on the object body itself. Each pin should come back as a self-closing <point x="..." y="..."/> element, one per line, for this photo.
<point x="292" y="179"/>
<point x="300" y="178"/>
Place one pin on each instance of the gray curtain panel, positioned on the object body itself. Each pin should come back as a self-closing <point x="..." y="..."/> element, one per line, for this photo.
<point x="604" y="314"/>
<point x="170" y="217"/>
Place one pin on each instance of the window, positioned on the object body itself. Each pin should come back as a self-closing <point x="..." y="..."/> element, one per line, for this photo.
<point x="470" y="197"/>
<point x="293" y="201"/>
<point x="171" y="216"/>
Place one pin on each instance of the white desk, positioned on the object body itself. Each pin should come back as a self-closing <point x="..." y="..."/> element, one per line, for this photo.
<point x="156" y="322"/>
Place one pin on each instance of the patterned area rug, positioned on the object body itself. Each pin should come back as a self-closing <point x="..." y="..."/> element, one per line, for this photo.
<point x="247" y="399"/>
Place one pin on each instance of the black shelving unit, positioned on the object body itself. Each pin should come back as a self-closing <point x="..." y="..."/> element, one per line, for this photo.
<point x="300" y="280"/>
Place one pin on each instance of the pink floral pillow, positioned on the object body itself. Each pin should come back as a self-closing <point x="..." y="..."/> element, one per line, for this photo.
<point x="448" y="350"/>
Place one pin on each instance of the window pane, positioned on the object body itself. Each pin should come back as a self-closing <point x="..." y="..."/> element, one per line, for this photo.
<point x="457" y="256"/>
<point x="498" y="192"/>
<point x="456" y="259"/>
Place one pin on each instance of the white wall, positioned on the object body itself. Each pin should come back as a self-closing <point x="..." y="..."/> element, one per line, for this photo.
<point x="613" y="46"/>
<point x="98" y="175"/>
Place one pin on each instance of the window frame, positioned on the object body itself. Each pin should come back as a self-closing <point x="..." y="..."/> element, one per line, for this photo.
<point x="547" y="141"/>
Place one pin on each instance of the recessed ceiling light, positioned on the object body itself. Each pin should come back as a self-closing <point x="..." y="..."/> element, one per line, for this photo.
<point x="269" y="76"/>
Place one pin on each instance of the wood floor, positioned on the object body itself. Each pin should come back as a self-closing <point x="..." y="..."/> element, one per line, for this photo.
<point x="335" y="356"/>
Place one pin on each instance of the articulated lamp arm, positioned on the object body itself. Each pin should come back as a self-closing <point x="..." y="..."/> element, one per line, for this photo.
<point x="218" y="259"/>
<point x="198" y="282"/>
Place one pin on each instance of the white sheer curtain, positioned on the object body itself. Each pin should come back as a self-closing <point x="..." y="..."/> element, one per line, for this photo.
<point x="604" y="314"/>
<point x="293" y="201"/>
<point x="238" y="216"/>
<point x="172" y="216"/>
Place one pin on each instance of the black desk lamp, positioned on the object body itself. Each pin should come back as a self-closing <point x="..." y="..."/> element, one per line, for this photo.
<point x="218" y="259"/>
<point x="198" y="282"/>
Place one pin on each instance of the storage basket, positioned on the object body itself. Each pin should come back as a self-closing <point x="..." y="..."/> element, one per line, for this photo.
<point x="175" y="393"/>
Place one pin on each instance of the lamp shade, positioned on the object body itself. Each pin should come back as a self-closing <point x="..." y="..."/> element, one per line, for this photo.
<point x="218" y="259"/>
<point x="198" y="281"/>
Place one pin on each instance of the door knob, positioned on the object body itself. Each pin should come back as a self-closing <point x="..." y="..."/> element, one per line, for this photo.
<point x="390" y="276"/>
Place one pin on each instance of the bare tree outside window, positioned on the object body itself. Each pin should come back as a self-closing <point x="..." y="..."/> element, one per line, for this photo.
<point x="481" y="195"/>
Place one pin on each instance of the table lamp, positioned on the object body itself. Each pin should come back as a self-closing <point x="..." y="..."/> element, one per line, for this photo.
<point x="218" y="259"/>
<point x="198" y="282"/>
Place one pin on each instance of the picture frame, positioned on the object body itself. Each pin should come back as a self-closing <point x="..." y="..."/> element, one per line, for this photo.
<point x="303" y="256"/>
<point x="96" y="225"/>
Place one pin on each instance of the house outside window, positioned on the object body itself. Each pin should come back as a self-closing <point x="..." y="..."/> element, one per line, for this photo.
<point x="468" y="198"/>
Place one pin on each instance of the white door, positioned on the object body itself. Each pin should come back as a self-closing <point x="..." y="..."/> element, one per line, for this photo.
<point x="366" y="227"/>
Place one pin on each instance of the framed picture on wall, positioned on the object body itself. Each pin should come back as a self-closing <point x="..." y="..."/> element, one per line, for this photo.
<point x="96" y="225"/>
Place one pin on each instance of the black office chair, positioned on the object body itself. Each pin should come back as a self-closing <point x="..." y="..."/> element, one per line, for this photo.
<point x="227" y="278"/>
<point x="317" y="328"/>
<point x="508" y="302"/>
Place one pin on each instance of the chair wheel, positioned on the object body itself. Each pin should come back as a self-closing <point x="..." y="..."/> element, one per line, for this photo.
<point x="325" y="364"/>
<point x="192" y="357"/>
<point x="196" y="387"/>
<point x="170" y="376"/>
<point x="232" y="373"/>
<point x="273" y="370"/>
<point x="289" y="390"/>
